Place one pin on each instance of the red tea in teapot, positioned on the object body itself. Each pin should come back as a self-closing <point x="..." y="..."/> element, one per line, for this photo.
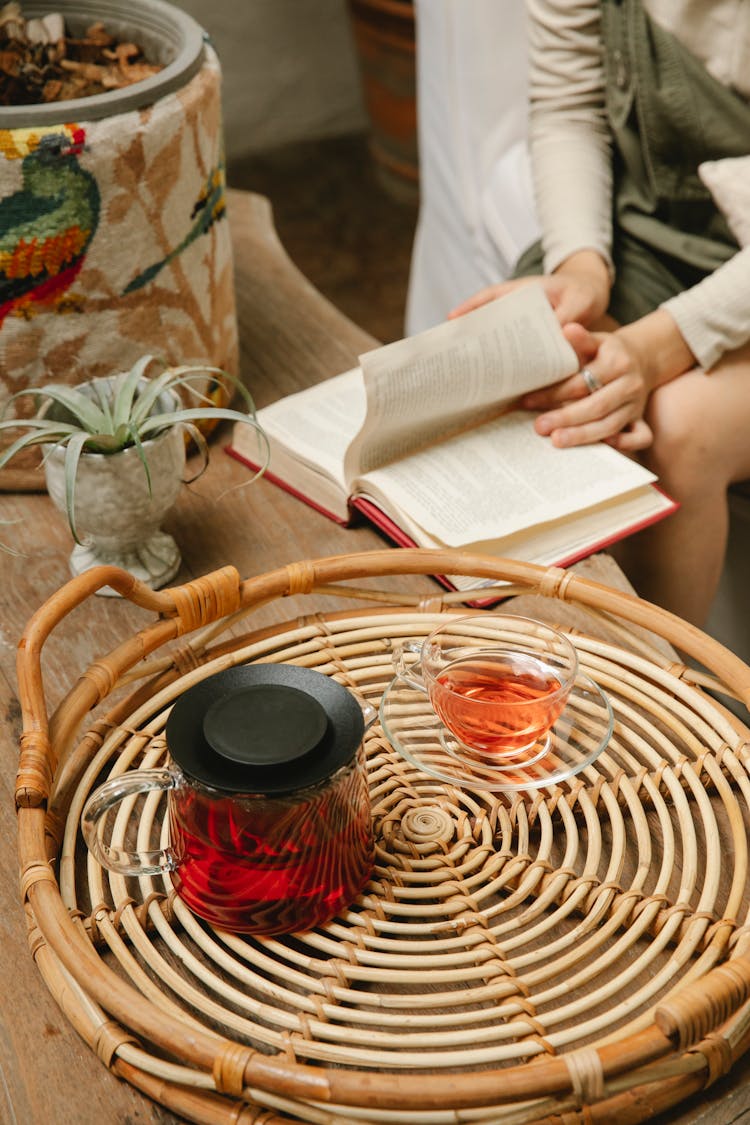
<point x="261" y="865"/>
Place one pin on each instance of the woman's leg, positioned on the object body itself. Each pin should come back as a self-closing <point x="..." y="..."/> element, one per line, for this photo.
<point x="701" y="426"/>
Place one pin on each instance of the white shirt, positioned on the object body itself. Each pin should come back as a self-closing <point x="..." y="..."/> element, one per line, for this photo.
<point x="476" y="197"/>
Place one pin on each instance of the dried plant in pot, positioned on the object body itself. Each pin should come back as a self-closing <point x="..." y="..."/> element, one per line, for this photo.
<point x="116" y="458"/>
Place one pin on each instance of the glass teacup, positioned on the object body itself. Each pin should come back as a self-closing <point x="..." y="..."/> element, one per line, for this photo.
<point x="497" y="682"/>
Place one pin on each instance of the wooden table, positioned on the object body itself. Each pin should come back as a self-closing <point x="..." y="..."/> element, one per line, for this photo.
<point x="290" y="337"/>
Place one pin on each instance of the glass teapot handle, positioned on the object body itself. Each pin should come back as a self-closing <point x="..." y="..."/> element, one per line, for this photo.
<point x="116" y="789"/>
<point x="369" y="712"/>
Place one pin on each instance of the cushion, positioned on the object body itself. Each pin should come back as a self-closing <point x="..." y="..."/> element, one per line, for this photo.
<point x="728" y="180"/>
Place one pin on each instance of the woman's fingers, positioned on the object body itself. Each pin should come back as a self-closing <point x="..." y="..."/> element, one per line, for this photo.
<point x="589" y="431"/>
<point x="483" y="297"/>
<point x="638" y="435"/>
<point x="590" y="417"/>
<point x="585" y="344"/>
<point x="590" y="422"/>
<point x="574" y="387"/>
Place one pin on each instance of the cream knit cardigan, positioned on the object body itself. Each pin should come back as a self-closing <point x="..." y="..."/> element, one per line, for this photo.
<point x="570" y="145"/>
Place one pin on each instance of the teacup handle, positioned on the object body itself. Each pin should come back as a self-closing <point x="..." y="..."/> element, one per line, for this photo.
<point x="117" y="789"/>
<point x="409" y="672"/>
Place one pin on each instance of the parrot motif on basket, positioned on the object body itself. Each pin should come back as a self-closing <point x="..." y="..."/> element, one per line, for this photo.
<point x="46" y="226"/>
<point x="207" y="209"/>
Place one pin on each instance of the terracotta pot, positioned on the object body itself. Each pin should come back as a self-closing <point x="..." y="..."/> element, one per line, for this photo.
<point x="384" y="34"/>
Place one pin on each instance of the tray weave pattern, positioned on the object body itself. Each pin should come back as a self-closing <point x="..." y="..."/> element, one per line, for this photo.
<point x="579" y="950"/>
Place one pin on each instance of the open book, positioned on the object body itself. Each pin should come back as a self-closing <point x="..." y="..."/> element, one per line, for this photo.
<point x="422" y="439"/>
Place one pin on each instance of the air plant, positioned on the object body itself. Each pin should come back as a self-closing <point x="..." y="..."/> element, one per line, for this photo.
<point x="112" y="413"/>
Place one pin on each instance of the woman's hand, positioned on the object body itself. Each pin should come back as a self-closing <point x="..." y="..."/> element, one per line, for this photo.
<point x="572" y="414"/>
<point x="578" y="290"/>
<point x="623" y="367"/>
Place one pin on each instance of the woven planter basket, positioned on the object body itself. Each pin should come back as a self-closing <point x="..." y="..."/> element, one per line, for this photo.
<point x="577" y="953"/>
<point x="114" y="241"/>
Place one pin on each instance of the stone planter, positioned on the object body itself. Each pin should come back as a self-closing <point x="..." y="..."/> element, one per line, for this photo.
<point x="114" y="242"/>
<point x="117" y="518"/>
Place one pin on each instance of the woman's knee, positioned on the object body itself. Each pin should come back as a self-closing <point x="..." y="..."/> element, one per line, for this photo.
<point x="700" y="421"/>
<point x="690" y="447"/>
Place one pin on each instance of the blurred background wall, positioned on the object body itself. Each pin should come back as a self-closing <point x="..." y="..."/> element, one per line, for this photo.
<point x="289" y="68"/>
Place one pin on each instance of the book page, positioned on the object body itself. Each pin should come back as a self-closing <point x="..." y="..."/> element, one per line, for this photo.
<point x="499" y="478"/>
<point x="317" y="424"/>
<point x="458" y="373"/>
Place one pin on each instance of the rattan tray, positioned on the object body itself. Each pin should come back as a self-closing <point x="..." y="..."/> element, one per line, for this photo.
<point x="579" y="950"/>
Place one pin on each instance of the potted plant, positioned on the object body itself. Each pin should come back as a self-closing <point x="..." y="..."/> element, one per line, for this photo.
<point x="117" y="455"/>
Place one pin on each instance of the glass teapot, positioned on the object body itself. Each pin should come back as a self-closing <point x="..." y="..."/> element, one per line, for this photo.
<point x="268" y="802"/>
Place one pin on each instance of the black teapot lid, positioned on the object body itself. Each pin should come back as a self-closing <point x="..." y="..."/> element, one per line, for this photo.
<point x="264" y="728"/>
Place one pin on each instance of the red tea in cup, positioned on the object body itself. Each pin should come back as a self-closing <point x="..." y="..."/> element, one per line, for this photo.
<point x="497" y="682"/>
<point x="521" y="699"/>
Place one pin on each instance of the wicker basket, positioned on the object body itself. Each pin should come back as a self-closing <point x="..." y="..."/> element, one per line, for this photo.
<point x="577" y="953"/>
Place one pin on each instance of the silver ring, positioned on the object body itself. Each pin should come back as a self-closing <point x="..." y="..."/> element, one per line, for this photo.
<point x="591" y="381"/>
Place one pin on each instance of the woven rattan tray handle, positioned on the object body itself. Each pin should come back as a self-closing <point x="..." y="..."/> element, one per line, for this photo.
<point x="183" y="608"/>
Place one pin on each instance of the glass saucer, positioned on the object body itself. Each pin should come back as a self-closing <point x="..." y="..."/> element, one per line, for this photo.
<point x="575" y="741"/>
